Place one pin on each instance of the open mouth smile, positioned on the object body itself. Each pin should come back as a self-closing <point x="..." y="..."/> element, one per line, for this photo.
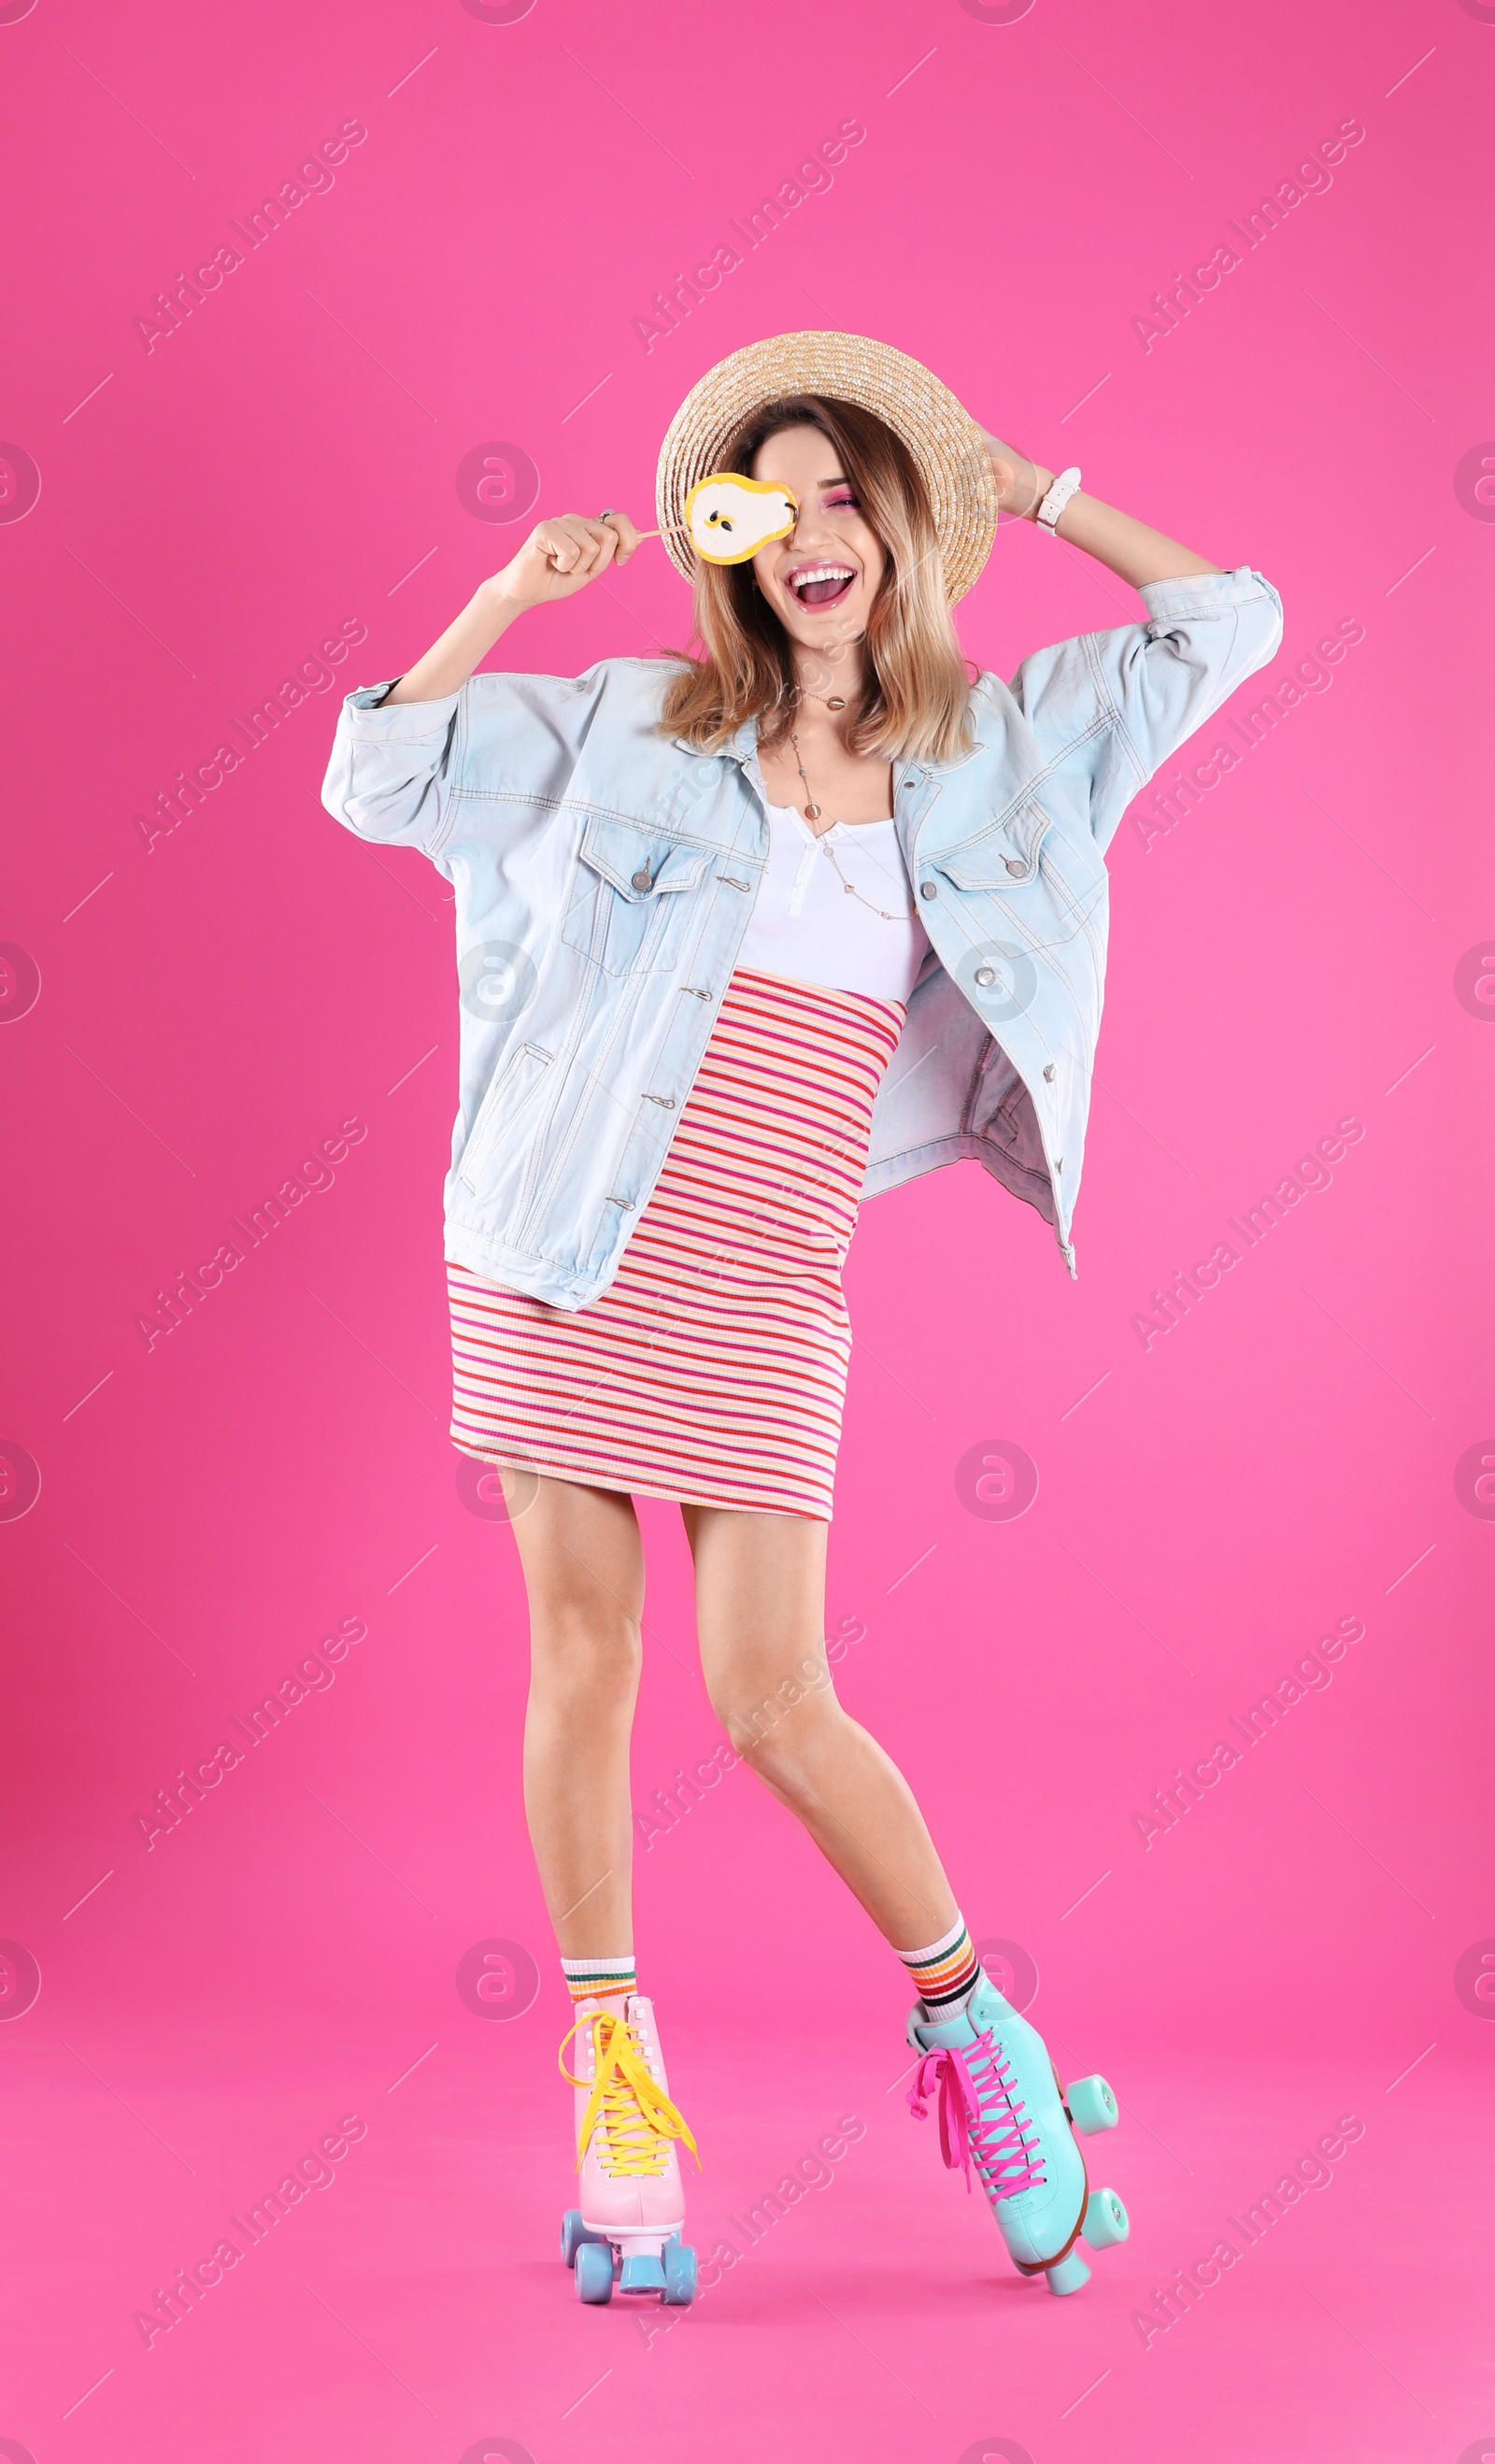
<point x="821" y="587"/>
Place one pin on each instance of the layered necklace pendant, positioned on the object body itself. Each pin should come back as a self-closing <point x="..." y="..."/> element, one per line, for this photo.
<point x="813" y="813"/>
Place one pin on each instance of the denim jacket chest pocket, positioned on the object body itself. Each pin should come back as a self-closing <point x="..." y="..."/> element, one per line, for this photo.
<point x="625" y="910"/>
<point x="1023" y="874"/>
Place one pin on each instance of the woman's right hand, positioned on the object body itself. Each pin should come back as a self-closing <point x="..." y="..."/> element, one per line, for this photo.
<point x="563" y="554"/>
<point x="557" y="557"/>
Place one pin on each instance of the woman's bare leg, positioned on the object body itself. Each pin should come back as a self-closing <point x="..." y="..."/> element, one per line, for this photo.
<point x="583" y="1573"/>
<point x="761" y="1613"/>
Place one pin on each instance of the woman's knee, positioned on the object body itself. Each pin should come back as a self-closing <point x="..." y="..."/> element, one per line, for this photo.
<point x="777" y="1729"/>
<point x="586" y="1657"/>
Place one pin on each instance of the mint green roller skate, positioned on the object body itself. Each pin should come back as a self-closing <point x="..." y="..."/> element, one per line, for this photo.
<point x="1001" y="2107"/>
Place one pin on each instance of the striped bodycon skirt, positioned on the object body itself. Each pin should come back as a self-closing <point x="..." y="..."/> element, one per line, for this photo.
<point x="713" y="1368"/>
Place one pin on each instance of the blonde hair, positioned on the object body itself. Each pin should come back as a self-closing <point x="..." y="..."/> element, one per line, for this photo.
<point x="916" y="692"/>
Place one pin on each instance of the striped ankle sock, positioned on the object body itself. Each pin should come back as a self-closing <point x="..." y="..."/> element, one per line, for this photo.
<point x="946" y="1973"/>
<point x="587" y="1977"/>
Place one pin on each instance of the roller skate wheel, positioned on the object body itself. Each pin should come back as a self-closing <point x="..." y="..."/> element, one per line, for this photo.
<point x="1092" y="2104"/>
<point x="573" y="2233"/>
<point x="642" y="2272"/>
<point x="1068" y="2274"/>
<point x="594" y="2271"/>
<point x="679" y="2273"/>
<point x="1105" y="2220"/>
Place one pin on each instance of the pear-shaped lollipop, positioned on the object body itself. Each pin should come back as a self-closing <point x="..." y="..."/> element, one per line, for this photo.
<point x="728" y="519"/>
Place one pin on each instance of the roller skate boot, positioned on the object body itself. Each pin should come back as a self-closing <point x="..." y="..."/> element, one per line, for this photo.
<point x="632" y="2201"/>
<point x="1002" y="2107"/>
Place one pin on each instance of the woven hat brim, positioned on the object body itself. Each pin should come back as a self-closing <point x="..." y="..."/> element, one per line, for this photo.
<point x="939" y="433"/>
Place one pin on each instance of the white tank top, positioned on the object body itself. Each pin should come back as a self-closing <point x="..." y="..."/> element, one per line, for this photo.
<point x="805" y="924"/>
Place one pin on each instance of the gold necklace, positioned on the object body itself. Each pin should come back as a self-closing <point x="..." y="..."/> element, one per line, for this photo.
<point x="813" y="813"/>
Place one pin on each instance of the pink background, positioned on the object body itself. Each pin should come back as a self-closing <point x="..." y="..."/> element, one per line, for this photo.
<point x="1303" y="946"/>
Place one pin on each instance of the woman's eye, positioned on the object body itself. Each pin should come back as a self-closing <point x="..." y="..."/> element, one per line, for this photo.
<point x="841" y="504"/>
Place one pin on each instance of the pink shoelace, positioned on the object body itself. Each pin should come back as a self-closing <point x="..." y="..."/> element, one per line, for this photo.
<point x="980" y="2112"/>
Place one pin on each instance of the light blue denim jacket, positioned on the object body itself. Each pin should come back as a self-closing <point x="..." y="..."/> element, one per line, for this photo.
<point x="604" y="874"/>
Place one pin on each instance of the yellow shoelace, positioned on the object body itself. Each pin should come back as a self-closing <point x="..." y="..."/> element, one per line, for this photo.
<point x="638" y="2119"/>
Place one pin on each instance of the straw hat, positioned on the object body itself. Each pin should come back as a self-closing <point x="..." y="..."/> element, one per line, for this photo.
<point x="943" y="437"/>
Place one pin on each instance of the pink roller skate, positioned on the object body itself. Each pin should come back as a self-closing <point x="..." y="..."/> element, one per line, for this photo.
<point x="633" y="2202"/>
<point x="1001" y="2104"/>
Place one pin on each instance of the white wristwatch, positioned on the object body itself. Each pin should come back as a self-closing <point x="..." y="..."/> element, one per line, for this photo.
<point x="1058" y="496"/>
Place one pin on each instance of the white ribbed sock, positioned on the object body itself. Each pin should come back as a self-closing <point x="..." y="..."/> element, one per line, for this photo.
<point x="946" y="1973"/>
<point x="590" y="1978"/>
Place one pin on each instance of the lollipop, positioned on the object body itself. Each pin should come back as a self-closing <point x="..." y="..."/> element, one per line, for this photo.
<point x="729" y="519"/>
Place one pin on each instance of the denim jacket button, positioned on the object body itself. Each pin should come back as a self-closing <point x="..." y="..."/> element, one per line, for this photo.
<point x="1049" y="1069"/>
<point x="928" y="890"/>
<point x="641" y="878"/>
<point x="1015" y="864"/>
<point x="986" y="975"/>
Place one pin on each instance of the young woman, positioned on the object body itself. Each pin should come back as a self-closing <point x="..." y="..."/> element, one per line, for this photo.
<point x="743" y="939"/>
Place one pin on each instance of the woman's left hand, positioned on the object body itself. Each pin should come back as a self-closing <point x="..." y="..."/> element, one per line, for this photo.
<point x="1021" y="485"/>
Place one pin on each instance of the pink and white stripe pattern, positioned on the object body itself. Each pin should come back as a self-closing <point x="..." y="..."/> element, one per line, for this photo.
<point x="713" y="1368"/>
